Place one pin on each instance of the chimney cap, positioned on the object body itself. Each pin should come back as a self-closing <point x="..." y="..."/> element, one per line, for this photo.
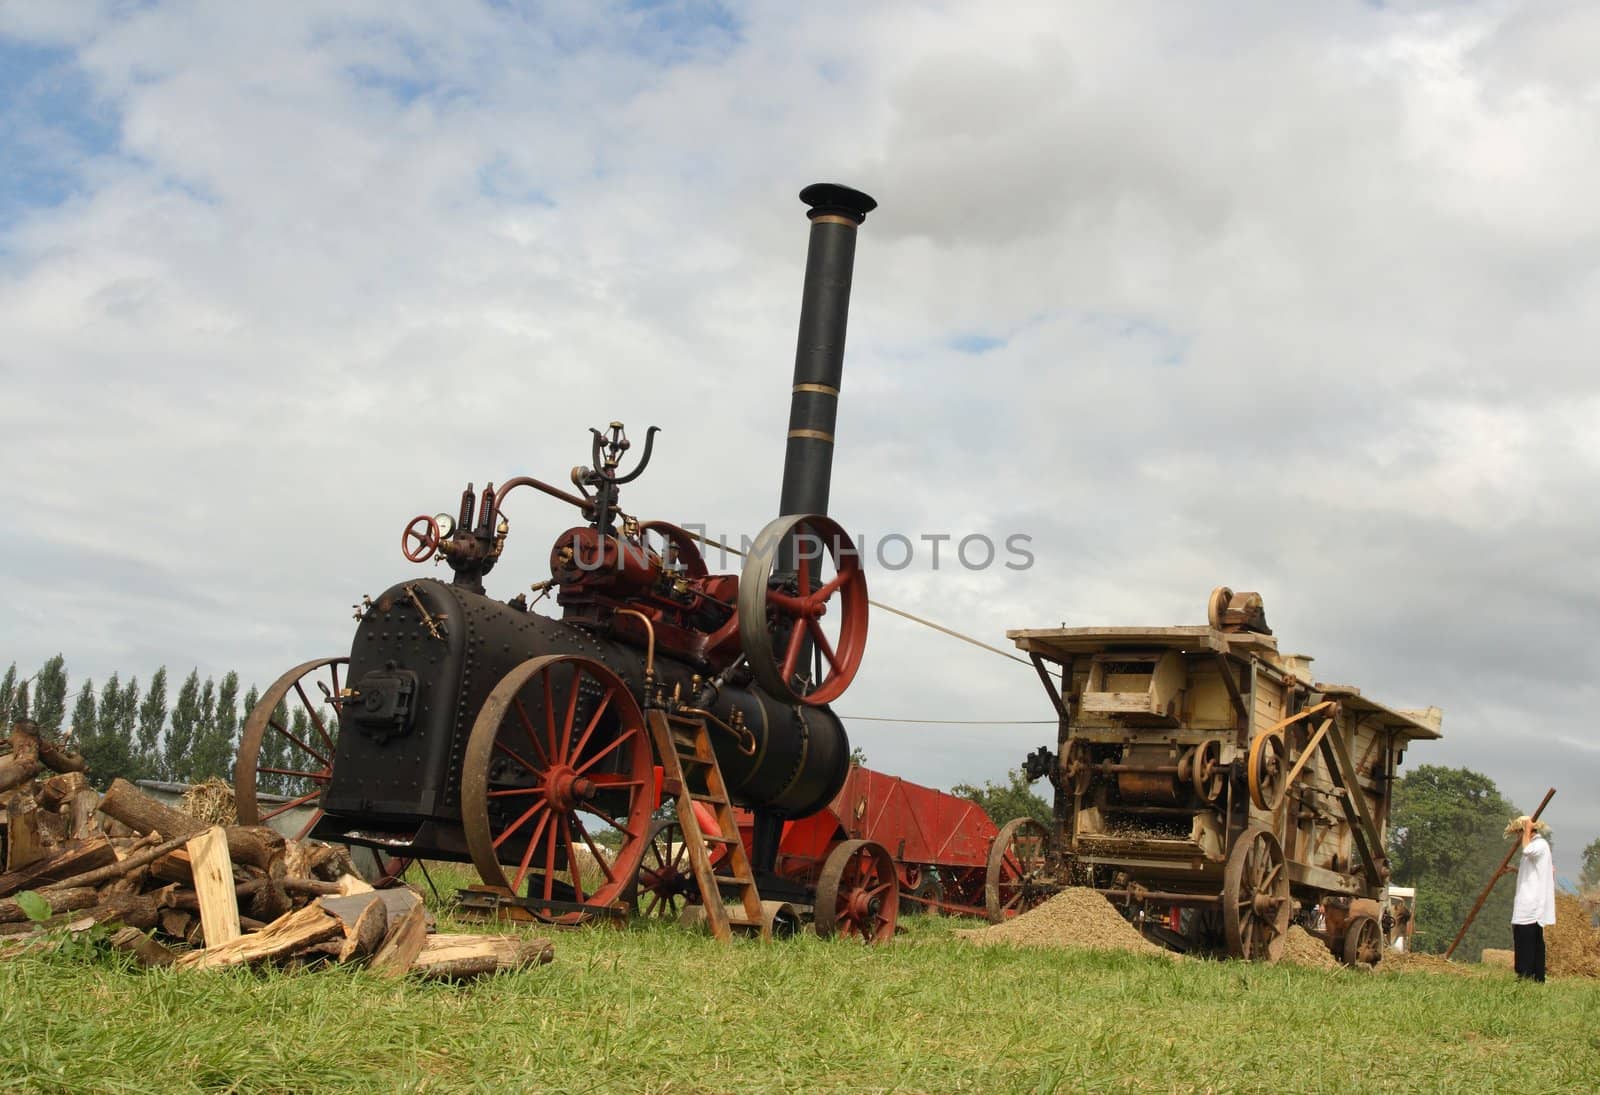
<point x="841" y="201"/>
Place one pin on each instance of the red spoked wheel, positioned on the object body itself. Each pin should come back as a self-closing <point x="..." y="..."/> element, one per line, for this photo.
<point x="664" y="883"/>
<point x="287" y="747"/>
<point x="420" y="539"/>
<point x="782" y="605"/>
<point x="558" y="785"/>
<point x="1016" y="857"/>
<point x="858" y="893"/>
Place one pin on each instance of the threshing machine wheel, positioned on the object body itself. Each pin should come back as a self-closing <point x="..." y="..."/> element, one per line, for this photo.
<point x="1255" y="897"/>
<point x="664" y="882"/>
<point x="927" y="895"/>
<point x="1266" y="769"/>
<point x="788" y="616"/>
<point x="1205" y="769"/>
<point x="1015" y="857"/>
<point x="420" y="539"/>
<point x="1363" y="941"/>
<point x="294" y="751"/>
<point x="559" y="740"/>
<point x="858" y="893"/>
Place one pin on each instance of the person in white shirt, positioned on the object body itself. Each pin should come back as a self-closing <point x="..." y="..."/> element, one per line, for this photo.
<point x="1534" y="907"/>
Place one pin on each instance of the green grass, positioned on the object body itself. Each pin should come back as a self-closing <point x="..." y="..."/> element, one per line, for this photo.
<point x="655" y="1009"/>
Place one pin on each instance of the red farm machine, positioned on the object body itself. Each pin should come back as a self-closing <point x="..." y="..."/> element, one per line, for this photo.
<point x="461" y="727"/>
<point x="945" y="853"/>
<point x="1213" y="789"/>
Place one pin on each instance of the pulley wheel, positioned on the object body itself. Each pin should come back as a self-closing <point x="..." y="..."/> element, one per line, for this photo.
<point x="1076" y="767"/>
<point x="678" y="550"/>
<point x="1266" y="770"/>
<point x="781" y="614"/>
<point x="1255" y="897"/>
<point x="858" y="893"/>
<point x="1016" y="857"/>
<point x="1206" y="773"/>
<point x="557" y="784"/>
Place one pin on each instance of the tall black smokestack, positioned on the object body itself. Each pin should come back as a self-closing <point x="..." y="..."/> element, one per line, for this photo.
<point x="835" y="213"/>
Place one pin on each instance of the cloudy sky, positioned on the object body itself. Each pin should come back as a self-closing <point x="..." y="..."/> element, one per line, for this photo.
<point x="1297" y="298"/>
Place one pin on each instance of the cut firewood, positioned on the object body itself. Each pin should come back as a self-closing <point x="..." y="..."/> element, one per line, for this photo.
<point x="284" y="936"/>
<point x="365" y="918"/>
<point x="82" y="811"/>
<point x="351" y="884"/>
<point x="24" y="842"/>
<point x="458" y="957"/>
<point x="402" y="945"/>
<point x="176" y="922"/>
<point x="59" y="900"/>
<point x="270" y="901"/>
<point x="55" y="791"/>
<point x="132" y="860"/>
<point x="21" y="765"/>
<point x="141" y="946"/>
<point x="59" y="759"/>
<point x="134" y="910"/>
<point x="253" y="845"/>
<point x="213" y="885"/>
<point x="64" y="866"/>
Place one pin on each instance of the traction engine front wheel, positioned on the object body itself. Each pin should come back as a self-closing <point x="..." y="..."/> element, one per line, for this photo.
<point x="858" y="893"/>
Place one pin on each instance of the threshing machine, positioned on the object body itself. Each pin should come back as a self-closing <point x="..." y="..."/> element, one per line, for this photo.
<point x="464" y="727"/>
<point x="1211" y="788"/>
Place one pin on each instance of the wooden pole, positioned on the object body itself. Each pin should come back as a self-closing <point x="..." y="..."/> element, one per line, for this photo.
<point x="1504" y="863"/>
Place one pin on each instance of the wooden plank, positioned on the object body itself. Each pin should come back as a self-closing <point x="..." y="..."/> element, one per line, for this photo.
<point x="213" y="884"/>
<point x="1116" y="703"/>
<point x="457" y="957"/>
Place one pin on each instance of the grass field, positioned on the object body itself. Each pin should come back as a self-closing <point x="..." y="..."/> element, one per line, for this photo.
<point x="655" y="1009"/>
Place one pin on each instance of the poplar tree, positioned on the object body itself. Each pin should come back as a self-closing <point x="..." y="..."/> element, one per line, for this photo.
<point x="8" y="692"/>
<point x="180" y="734"/>
<point x="152" y="717"/>
<point x="50" y="696"/>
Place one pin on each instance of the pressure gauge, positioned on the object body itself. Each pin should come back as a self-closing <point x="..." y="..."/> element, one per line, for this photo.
<point x="447" y="525"/>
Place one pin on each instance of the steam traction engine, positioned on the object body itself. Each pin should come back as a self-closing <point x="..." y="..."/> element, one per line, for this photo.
<point x="1207" y="785"/>
<point x="467" y="728"/>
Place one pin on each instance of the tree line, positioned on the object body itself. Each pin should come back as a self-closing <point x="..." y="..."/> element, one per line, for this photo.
<point x="123" y="729"/>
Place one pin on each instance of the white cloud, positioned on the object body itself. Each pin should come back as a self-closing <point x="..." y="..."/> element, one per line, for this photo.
<point x="1293" y="299"/>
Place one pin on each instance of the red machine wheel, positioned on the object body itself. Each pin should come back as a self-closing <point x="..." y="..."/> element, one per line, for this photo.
<point x="420" y="539"/>
<point x="785" y="617"/>
<point x="679" y="551"/>
<point x="1363" y="942"/>
<point x="664" y="882"/>
<point x="858" y="893"/>
<point x="1015" y="859"/>
<point x="559" y="739"/>
<point x="1255" y="897"/>
<point x="294" y="751"/>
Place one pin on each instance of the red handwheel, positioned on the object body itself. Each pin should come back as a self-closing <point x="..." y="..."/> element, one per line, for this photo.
<point x="420" y="539"/>
<point x="785" y="593"/>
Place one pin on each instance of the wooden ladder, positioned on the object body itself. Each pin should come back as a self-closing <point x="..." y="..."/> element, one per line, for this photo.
<point x="691" y="774"/>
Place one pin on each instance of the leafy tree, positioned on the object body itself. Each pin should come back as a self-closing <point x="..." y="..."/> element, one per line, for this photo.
<point x="858" y="757"/>
<point x="1589" y="877"/>
<point x="274" y="753"/>
<point x="19" y="703"/>
<point x="152" y="717"/>
<point x="212" y="750"/>
<point x="85" y="724"/>
<point x="1445" y="838"/>
<point x="1004" y="801"/>
<point x="178" y="760"/>
<point x="228" y="722"/>
<point x="109" y="752"/>
<point x="8" y="692"/>
<point x="50" y="696"/>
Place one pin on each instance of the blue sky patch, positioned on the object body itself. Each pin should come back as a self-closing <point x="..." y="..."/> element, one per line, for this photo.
<point x="50" y="125"/>
<point x="974" y="343"/>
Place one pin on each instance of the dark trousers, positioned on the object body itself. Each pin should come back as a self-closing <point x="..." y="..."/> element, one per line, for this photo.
<point x="1527" y="940"/>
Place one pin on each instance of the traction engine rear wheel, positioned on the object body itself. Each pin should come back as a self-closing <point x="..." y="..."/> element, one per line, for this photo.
<point x="858" y="893"/>
<point x="1015" y="858"/>
<point x="1255" y="897"/>
<point x="557" y="784"/>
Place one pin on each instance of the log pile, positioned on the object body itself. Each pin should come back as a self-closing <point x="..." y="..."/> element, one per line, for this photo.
<point x="181" y="892"/>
